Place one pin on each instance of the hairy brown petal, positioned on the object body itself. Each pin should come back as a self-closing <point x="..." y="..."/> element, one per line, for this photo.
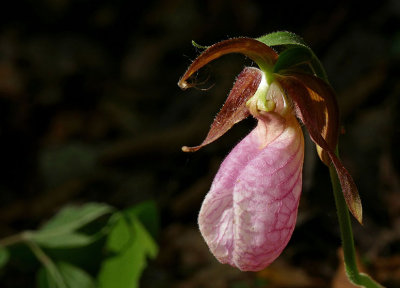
<point x="322" y="106"/>
<point x="324" y="99"/>
<point x="234" y="108"/>
<point x="260" y="53"/>
<point x="308" y="102"/>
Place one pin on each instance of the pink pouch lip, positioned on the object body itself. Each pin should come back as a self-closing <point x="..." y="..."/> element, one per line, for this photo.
<point x="249" y="214"/>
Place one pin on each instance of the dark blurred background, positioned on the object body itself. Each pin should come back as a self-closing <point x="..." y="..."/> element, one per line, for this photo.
<point x="90" y="111"/>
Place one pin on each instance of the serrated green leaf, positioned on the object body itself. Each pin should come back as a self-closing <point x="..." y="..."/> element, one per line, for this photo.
<point x="72" y="277"/>
<point x="281" y="38"/>
<point x="4" y="257"/>
<point x="130" y="244"/>
<point x="55" y="240"/>
<point x="72" y="218"/>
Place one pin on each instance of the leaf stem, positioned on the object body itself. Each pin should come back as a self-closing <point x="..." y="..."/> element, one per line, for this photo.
<point x="48" y="263"/>
<point x="13" y="239"/>
<point x="346" y="232"/>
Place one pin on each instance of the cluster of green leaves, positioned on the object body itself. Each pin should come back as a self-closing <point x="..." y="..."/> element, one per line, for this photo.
<point x="119" y="242"/>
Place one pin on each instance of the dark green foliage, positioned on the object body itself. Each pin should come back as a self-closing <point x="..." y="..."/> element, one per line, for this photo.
<point x="66" y="244"/>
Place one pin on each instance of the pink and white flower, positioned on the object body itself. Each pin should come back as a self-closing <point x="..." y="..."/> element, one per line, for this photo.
<point x="248" y="216"/>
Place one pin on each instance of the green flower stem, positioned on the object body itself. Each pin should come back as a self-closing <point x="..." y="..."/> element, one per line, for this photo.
<point x="346" y="231"/>
<point x="357" y="278"/>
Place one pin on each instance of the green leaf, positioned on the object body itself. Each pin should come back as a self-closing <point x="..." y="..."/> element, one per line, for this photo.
<point x="55" y="240"/>
<point x="4" y="257"/>
<point x="130" y="244"/>
<point x="292" y="57"/>
<point x="291" y="40"/>
<point x="44" y="279"/>
<point x="59" y="232"/>
<point x="72" y="218"/>
<point x="281" y="38"/>
<point x="147" y="213"/>
<point x="75" y="277"/>
<point x="72" y="276"/>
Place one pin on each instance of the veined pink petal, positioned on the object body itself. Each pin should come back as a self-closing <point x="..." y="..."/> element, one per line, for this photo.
<point x="249" y="214"/>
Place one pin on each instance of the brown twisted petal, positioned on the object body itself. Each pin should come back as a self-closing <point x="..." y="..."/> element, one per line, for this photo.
<point x="322" y="106"/>
<point x="234" y="108"/>
<point x="255" y="50"/>
<point x="310" y="96"/>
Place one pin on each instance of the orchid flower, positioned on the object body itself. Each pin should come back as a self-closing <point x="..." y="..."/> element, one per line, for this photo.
<point x="249" y="214"/>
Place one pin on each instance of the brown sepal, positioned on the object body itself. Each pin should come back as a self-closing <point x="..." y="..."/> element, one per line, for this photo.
<point x="316" y="107"/>
<point x="234" y="108"/>
<point x="255" y="50"/>
<point x="322" y="106"/>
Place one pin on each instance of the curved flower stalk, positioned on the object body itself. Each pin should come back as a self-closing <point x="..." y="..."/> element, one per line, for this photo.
<point x="249" y="214"/>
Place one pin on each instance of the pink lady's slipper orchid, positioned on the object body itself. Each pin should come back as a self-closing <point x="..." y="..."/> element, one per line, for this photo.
<point x="249" y="214"/>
